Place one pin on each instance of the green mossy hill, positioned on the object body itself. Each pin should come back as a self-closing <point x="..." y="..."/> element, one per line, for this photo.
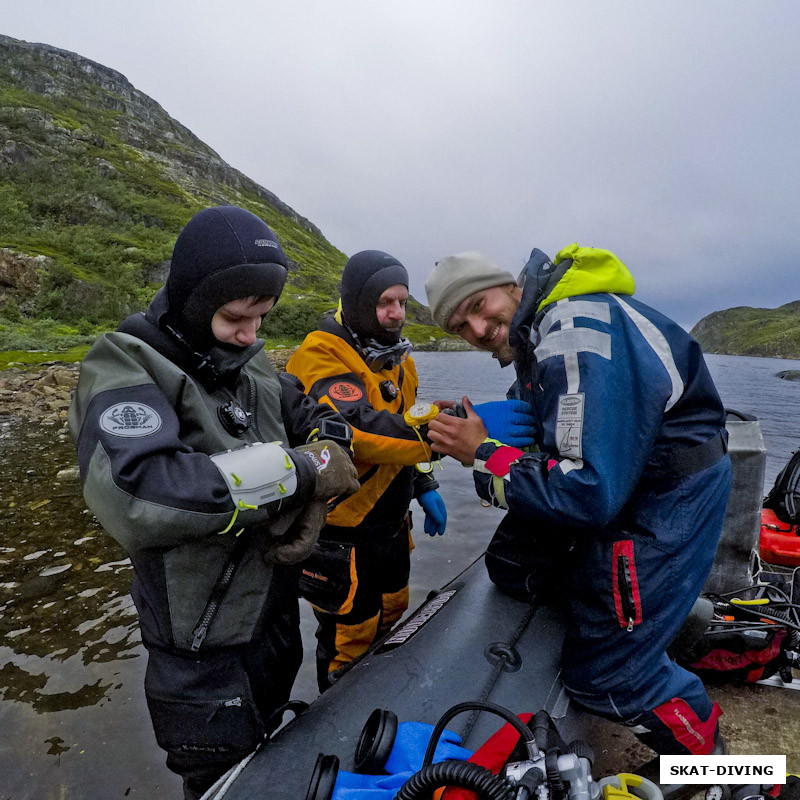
<point x="745" y="331"/>
<point x="96" y="181"/>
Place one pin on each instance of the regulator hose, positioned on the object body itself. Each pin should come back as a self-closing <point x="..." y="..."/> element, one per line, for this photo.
<point x="546" y="733"/>
<point x="787" y="614"/>
<point x="522" y="729"/>
<point x="464" y="774"/>
<point x="783" y="616"/>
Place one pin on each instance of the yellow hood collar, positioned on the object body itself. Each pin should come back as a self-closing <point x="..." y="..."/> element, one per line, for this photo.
<point x="593" y="270"/>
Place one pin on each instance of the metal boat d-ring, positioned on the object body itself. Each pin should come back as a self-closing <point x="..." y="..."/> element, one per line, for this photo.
<point x="500" y="653"/>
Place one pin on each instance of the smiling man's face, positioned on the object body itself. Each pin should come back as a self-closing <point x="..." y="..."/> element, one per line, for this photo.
<point x="483" y="319"/>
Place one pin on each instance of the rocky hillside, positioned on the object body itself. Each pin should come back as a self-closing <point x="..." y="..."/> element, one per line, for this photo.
<point x="96" y="180"/>
<point x="745" y="331"/>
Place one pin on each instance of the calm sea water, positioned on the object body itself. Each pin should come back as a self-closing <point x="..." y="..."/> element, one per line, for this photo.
<point x="73" y="722"/>
<point x="749" y="385"/>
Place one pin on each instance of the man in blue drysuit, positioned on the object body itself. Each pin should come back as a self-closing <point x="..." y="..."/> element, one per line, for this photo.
<point x="621" y="508"/>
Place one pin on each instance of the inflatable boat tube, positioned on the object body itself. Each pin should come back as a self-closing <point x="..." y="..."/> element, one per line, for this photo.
<point x="468" y="642"/>
<point x="779" y="542"/>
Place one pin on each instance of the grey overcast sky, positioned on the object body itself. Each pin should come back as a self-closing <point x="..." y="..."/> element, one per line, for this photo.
<point x="665" y="131"/>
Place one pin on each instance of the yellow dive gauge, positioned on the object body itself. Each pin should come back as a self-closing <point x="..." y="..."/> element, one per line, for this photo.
<point x="420" y="413"/>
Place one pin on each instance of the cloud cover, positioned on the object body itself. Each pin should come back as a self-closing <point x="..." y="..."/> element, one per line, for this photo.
<point x="666" y="132"/>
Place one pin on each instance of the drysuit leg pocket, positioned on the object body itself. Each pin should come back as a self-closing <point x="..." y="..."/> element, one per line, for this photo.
<point x="223" y="730"/>
<point x="203" y="711"/>
<point x="328" y="578"/>
<point x="625" y="584"/>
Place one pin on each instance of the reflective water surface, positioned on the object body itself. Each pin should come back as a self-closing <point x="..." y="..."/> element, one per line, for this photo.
<point x="748" y="385"/>
<point x="69" y="637"/>
<point x="73" y="723"/>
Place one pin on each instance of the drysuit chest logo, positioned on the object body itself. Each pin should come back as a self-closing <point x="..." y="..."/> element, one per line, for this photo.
<point x="345" y="391"/>
<point x="132" y="420"/>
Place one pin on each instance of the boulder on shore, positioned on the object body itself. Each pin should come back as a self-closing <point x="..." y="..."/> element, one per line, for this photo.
<point x="38" y="394"/>
<point x="789" y="374"/>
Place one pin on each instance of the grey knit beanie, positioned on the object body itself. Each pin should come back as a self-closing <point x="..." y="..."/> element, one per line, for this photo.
<point x="457" y="277"/>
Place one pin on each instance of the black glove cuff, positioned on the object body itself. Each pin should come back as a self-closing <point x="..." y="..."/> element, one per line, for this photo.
<point x="306" y="478"/>
<point x="424" y="482"/>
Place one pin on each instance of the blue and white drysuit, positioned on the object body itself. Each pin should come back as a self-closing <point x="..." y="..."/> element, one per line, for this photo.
<point x="621" y="509"/>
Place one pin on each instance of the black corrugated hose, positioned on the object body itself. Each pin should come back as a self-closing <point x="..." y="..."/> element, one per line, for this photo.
<point x="456" y="773"/>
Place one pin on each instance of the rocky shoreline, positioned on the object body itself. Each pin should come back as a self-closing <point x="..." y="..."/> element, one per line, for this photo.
<point x="43" y="393"/>
<point x="38" y="395"/>
<point x="443" y="345"/>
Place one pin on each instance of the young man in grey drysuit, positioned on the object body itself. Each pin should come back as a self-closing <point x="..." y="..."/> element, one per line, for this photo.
<point x="195" y="458"/>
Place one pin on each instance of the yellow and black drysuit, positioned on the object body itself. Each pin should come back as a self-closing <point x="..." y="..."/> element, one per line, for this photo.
<point x="357" y="579"/>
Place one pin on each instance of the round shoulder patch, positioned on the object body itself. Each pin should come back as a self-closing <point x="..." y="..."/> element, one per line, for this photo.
<point x="348" y="392"/>
<point x="132" y="420"/>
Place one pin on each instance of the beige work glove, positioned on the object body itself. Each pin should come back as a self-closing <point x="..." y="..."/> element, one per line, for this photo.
<point x="336" y="474"/>
<point x="291" y="536"/>
<point x="288" y="545"/>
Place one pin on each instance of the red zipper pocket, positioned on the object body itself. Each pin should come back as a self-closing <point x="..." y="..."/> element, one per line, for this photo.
<point x="627" y="602"/>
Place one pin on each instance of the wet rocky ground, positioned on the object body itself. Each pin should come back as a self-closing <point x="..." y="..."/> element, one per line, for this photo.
<point x="39" y="395"/>
<point x="72" y="718"/>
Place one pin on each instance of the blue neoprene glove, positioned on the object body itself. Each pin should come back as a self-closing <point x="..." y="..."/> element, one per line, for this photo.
<point x="435" y="512"/>
<point x="352" y="786"/>
<point x="508" y="421"/>
<point x="410" y="743"/>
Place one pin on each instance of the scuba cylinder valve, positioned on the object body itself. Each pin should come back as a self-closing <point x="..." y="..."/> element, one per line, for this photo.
<point x="551" y="770"/>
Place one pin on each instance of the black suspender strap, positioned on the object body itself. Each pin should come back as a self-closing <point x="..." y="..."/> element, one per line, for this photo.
<point x="678" y="462"/>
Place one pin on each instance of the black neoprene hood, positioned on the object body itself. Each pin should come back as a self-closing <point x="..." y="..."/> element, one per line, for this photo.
<point x="366" y="276"/>
<point x="224" y="253"/>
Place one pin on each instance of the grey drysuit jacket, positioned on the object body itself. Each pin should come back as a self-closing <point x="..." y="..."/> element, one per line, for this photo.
<point x="145" y="417"/>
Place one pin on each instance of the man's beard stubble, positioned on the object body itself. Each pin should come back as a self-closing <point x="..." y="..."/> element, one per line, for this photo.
<point x="503" y="352"/>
